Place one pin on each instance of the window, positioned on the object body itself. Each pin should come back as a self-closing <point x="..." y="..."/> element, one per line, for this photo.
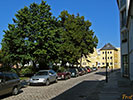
<point x="123" y="18"/>
<point x="110" y="57"/>
<point x="110" y="52"/>
<point x="122" y="2"/>
<point x="103" y="52"/>
<point x="124" y="36"/>
<point x="8" y="77"/>
<point x="103" y="57"/>
<point x="84" y="63"/>
<point x="125" y="65"/>
<point x="15" y="76"/>
<point x="103" y="63"/>
<point x="111" y="63"/>
<point x="51" y="72"/>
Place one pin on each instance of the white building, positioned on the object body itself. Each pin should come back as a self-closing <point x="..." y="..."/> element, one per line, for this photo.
<point x="126" y="34"/>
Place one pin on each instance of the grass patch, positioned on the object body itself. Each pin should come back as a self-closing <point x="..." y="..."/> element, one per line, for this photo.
<point x="24" y="78"/>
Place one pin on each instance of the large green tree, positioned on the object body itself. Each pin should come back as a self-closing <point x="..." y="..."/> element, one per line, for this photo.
<point x="32" y="37"/>
<point x="77" y="37"/>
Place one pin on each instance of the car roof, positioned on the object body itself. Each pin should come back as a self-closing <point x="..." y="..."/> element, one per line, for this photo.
<point x="43" y="70"/>
<point x="7" y="72"/>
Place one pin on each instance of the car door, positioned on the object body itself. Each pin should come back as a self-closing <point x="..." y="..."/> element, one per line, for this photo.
<point x="2" y="84"/>
<point x="8" y="82"/>
<point x="6" y="86"/>
<point x="54" y="75"/>
<point x="52" y="78"/>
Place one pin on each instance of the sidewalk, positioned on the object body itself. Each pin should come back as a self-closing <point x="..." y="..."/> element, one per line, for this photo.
<point x="116" y="87"/>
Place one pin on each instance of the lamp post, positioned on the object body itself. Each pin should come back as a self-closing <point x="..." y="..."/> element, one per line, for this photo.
<point x="112" y="65"/>
<point x="106" y="67"/>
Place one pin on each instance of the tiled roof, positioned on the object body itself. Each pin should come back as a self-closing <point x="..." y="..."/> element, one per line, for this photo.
<point x="108" y="47"/>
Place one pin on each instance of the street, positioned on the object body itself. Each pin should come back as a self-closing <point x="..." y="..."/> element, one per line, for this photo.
<point x="80" y="88"/>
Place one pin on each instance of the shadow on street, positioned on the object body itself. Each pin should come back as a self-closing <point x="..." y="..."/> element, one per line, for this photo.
<point x="86" y="90"/>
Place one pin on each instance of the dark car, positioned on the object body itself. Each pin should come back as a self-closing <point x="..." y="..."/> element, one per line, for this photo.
<point x="81" y="71"/>
<point x="74" y="72"/>
<point x="64" y="74"/>
<point x="94" y="68"/>
<point x="9" y="83"/>
<point x="85" y="70"/>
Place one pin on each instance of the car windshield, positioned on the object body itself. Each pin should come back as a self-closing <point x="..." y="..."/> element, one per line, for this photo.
<point x="42" y="73"/>
<point x="72" y="70"/>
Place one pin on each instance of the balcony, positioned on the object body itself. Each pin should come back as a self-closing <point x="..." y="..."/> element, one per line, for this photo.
<point x="122" y="3"/>
<point x="124" y="40"/>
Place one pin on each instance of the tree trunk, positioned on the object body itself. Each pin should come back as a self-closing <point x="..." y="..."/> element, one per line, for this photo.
<point x="17" y="69"/>
<point x="34" y="67"/>
<point x="81" y="61"/>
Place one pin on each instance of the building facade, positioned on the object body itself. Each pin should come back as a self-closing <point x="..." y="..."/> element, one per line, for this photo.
<point x="111" y="56"/>
<point x="98" y="58"/>
<point x="126" y="35"/>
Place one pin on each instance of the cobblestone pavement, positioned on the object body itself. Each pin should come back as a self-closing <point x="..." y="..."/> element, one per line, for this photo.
<point x="53" y="91"/>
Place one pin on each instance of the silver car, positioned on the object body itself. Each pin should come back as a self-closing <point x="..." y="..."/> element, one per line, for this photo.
<point x="44" y="77"/>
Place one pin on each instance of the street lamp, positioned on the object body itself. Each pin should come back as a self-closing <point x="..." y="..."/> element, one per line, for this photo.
<point x="106" y="67"/>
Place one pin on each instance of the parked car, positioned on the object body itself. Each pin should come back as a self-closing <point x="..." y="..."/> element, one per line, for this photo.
<point x="44" y="77"/>
<point x="64" y="75"/>
<point x="94" y="68"/>
<point x="81" y="71"/>
<point x="9" y="83"/>
<point x="89" y="69"/>
<point x="85" y="70"/>
<point x="74" y="72"/>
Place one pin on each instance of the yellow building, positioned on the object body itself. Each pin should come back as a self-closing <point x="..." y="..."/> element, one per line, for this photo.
<point x="98" y="58"/>
<point x="110" y="55"/>
<point x="91" y="60"/>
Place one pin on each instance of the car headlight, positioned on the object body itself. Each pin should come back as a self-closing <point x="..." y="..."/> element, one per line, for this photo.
<point x="62" y="76"/>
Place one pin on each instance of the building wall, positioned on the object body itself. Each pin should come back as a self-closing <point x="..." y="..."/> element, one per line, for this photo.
<point x="93" y="58"/>
<point x="113" y="58"/>
<point x="131" y="48"/>
<point x="97" y="59"/>
<point x="126" y="46"/>
<point x="131" y="66"/>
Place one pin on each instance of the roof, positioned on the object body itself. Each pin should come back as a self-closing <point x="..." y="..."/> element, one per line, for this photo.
<point x="108" y="47"/>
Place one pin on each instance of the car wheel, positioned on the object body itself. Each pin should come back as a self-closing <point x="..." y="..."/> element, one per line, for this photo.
<point x="15" y="91"/>
<point x="65" y="77"/>
<point x="56" y="80"/>
<point x="47" y="82"/>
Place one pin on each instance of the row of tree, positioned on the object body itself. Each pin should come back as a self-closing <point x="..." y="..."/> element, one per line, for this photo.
<point x="37" y="36"/>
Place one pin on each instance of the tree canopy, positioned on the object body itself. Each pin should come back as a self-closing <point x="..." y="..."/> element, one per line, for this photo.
<point x="77" y="37"/>
<point x="33" y="36"/>
<point x="37" y="36"/>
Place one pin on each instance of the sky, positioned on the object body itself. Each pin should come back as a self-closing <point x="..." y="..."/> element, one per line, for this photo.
<point x="103" y="14"/>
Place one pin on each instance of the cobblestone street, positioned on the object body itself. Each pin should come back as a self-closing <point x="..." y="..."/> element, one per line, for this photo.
<point x="56" y="91"/>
